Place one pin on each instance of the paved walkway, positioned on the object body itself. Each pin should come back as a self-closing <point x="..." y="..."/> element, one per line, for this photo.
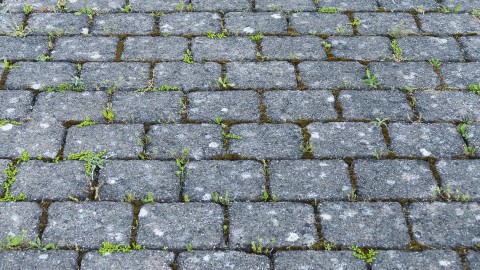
<point x="247" y="134"/>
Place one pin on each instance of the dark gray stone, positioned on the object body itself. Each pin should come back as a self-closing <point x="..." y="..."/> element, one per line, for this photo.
<point x="9" y="22"/>
<point x="461" y="75"/>
<point x="425" y="48"/>
<point x="311" y="260"/>
<point x="3" y="165"/>
<point x="154" y="48"/>
<point x="57" y="23"/>
<point x="398" y="75"/>
<point x="15" y="104"/>
<point x="85" y="48"/>
<point x="17" y="5"/>
<point x="408" y="4"/>
<point x="320" y="23"/>
<point x="253" y="23"/>
<point x="463" y="176"/>
<point x="449" y="23"/>
<point x="213" y="5"/>
<point x="37" y="75"/>
<point x="473" y="259"/>
<point x="261" y="75"/>
<point x="471" y="45"/>
<point x="466" y="4"/>
<point x="122" y="76"/>
<point x="120" y="24"/>
<point x="428" y="259"/>
<point x="22" y="47"/>
<point x="143" y="259"/>
<point x="473" y="132"/>
<point x="218" y="260"/>
<point x="320" y="75"/>
<point x="447" y="105"/>
<point x="97" y="5"/>
<point x="230" y="48"/>
<point x="17" y="217"/>
<point x="164" y="5"/>
<point x="302" y="47"/>
<point x="187" y="76"/>
<point x="360" y="48"/>
<point x="181" y="23"/>
<point x="358" y="5"/>
<point x="384" y="23"/>
<point x="39" y="260"/>
<point x="284" y="5"/>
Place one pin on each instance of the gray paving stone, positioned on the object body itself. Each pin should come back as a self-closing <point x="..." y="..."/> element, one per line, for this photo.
<point x="15" y="104"/>
<point x="311" y="260"/>
<point x="57" y="23"/>
<point x="181" y="23"/>
<point x="447" y="105"/>
<point x="17" y="5"/>
<point x="258" y="22"/>
<point x="49" y="181"/>
<point x="9" y="21"/>
<point x="473" y="131"/>
<point x="466" y="4"/>
<point x="122" y="76"/>
<point x="394" y="179"/>
<point x="22" y="47"/>
<point x="165" y="5"/>
<point x="359" y="5"/>
<point x="296" y="105"/>
<point x="88" y="224"/>
<point x="320" y="23"/>
<point x="463" y="175"/>
<point x="383" y="23"/>
<point x="461" y="75"/>
<point x="181" y="224"/>
<point x="267" y="141"/>
<point x="284" y="5"/>
<point x="36" y="138"/>
<point x="440" y="224"/>
<point x="312" y="179"/>
<point x="230" y="48"/>
<point x="217" y="260"/>
<point x="147" y="107"/>
<point x="284" y="48"/>
<point x="345" y="139"/>
<point x="120" y="141"/>
<point x="360" y="48"/>
<point x="154" y="48"/>
<point x="379" y="224"/>
<point x="85" y="48"/>
<point x="3" y="165"/>
<point x="473" y="259"/>
<point x="320" y="75"/>
<point x="187" y="76"/>
<point x="261" y="74"/>
<point x="204" y="141"/>
<point x="243" y="180"/>
<point x="17" y="217"/>
<point x="36" y="75"/>
<point x="230" y="105"/>
<point x="408" y="4"/>
<point x="97" y="5"/>
<point x="449" y="23"/>
<point x="40" y="260"/>
<point x="425" y="140"/>
<point x="121" y="177"/>
<point x="428" y="259"/>
<point x="143" y="259"/>
<point x="69" y="106"/>
<point x="127" y="23"/>
<point x="398" y="75"/>
<point x="273" y="224"/>
<point x="471" y="46"/>
<point x="213" y="5"/>
<point x="368" y="104"/>
<point x="425" y="48"/>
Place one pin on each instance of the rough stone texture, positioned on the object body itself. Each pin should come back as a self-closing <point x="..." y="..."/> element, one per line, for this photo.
<point x="310" y="260"/>
<point x="165" y="5"/>
<point x="38" y="75"/>
<point x="253" y="23"/>
<point x="187" y="76"/>
<point x="398" y="75"/>
<point x="239" y="5"/>
<point x="88" y="224"/>
<point x="448" y="23"/>
<point x="463" y="176"/>
<point x="473" y="259"/>
<point x="425" y="48"/>
<point x="428" y="259"/>
<point x="473" y="132"/>
<point x="442" y="224"/>
<point x="320" y="23"/>
<point x="119" y="24"/>
<point x="461" y="75"/>
<point x="222" y="260"/>
<point x="360" y="48"/>
<point x="17" y="5"/>
<point x="178" y="225"/>
<point x="408" y="4"/>
<point x="447" y="105"/>
<point x="57" y="23"/>
<point x="22" y="48"/>
<point x="85" y="48"/>
<point x="301" y="48"/>
<point x="379" y="224"/>
<point x="284" y="5"/>
<point x="121" y="76"/>
<point x="154" y="48"/>
<point x="466" y="4"/>
<point x="17" y="217"/>
<point x="360" y="5"/>
<point x="181" y="23"/>
<point x="271" y="224"/>
<point x="3" y="165"/>
<point x="41" y="260"/>
<point x="9" y="21"/>
<point x="97" y="5"/>
<point x="143" y="259"/>
<point x="230" y="48"/>
<point x="384" y="23"/>
<point x="320" y="75"/>
<point x="471" y="46"/>
<point x="14" y="104"/>
<point x="261" y="75"/>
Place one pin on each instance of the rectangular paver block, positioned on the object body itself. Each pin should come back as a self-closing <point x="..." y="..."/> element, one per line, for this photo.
<point x="37" y="75"/>
<point x="253" y="23"/>
<point x="408" y="4"/>
<point x="461" y="75"/>
<point x="284" y="48"/>
<point x="16" y="217"/>
<point x="401" y="74"/>
<point x="121" y="24"/>
<point x="165" y="5"/>
<point x="433" y="259"/>
<point x="449" y="23"/>
<point x="23" y="47"/>
<point x="15" y="104"/>
<point x="35" y="259"/>
<point x="358" y="5"/>
<point x="425" y="48"/>
<point x="360" y="48"/>
<point x="200" y="76"/>
<point x="143" y="259"/>
<point x="320" y="23"/>
<point x="181" y="23"/>
<point x="329" y="75"/>
<point x="463" y="176"/>
<point x="218" y="260"/>
<point x="383" y="23"/>
<point x="85" y="48"/>
<point x="97" y="5"/>
<point x="310" y="260"/>
<point x="255" y="75"/>
<point x="154" y="48"/>
<point x="121" y="76"/>
<point x="229" y="48"/>
<point x="284" y="5"/>
<point x="471" y="46"/>
<point x="9" y="22"/>
<point x="57" y="23"/>
<point x="213" y="5"/>
<point x="447" y="105"/>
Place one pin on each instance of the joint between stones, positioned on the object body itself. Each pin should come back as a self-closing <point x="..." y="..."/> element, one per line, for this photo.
<point x="43" y="218"/>
<point x="135" y="222"/>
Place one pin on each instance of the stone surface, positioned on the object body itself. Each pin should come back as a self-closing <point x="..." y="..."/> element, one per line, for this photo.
<point x="41" y="260"/>
<point x="360" y="48"/>
<point x="18" y="217"/>
<point x="154" y="48"/>
<point x="9" y="22"/>
<point x="222" y="260"/>
<point x="200" y="76"/>
<point x="398" y="75"/>
<point x="212" y="5"/>
<point x="120" y="24"/>
<point x="57" y="23"/>
<point x="253" y="23"/>
<point x="15" y="104"/>
<point x="17" y="5"/>
<point x="181" y="23"/>
<point x="329" y="75"/>
<point x="3" y="165"/>
<point x="473" y="259"/>
<point x="85" y="49"/>
<point x="39" y="75"/>
<point x="425" y="48"/>
<point x="97" y="5"/>
<point x="471" y="47"/>
<point x="447" y="105"/>
<point x="250" y="75"/>
<point x="461" y="175"/>
<point x="229" y="48"/>
<point x="449" y="24"/>
<point x="121" y="76"/>
<point x="361" y="5"/>
<point x="165" y="5"/>
<point x="310" y="260"/>
<point x="320" y="23"/>
<point x="408" y="4"/>
<point x="383" y="23"/>
<point x="22" y="48"/>
<point x="301" y="48"/>
<point x="473" y="132"/>
<point x="428" y="259"/>
<point x="461" y="75"/>
<point x="143" y="259"/>
<point x="284" y="5"/>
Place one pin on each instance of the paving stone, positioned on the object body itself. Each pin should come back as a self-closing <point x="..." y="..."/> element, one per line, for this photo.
<point x="36" y="138"/>
<point x="473" y="131"/>
<point x="230" y="48"/>
<point x="461" y="75"/>
<point x="312" y="179"/>
<point x="153" y="48"/>
<point x="447" y="105"/>
<point x="39" y="74"/>
<point x="320" y="75"/>
<point x="463" y="175"/>
<point x="120" y="141"/>
<point x="311" y="260"/>
<point x="253" y="23"/>
<point x="284" y="5"/>
<point x="204" y="140"/>
<point x="181" y="23"/>
<point x="272" y="224"/>
<point x="267" y="141"/>
<point x="398" y="75"/>
<point x="49" y="181"/>
<point x="368" y="104"/>
<point x="473" y="259"/>
<point x="41" y="260"/>
<point x="471" y="45"/>
<point x="97" y="5"/>
<point x="320" y="23"/>
<point x="230" y="105"/>
<point x="69" y="106"/>
<point x="181" y="224"/>
<point x="425" y="48"/>
<point x="427" y="259"/>
<point x="448" y="23"/>
<point x="22" y="47"/>
<point x="384" y="23"/>
<point x="359" y="5"/>
<point x="425" y="140"/>
<point x="88" y="224"/>
<point x="127" y="23"/>
<point x="17" y="5"/>
<point x="261" y="74"/>
<point x="122" y="177"/>
<point x="142" y="259"/>
<point x="345" y="139"/>
<point x="57" y="23"/>
<point x="3" y="165"/>
<point x="18" y="217"/>
<point x="218" y="260"/>
<point x="283" y="48"/>
<point x="243" y="180"/>
<point x="9" y="22"/>
<point x="15" y="104"/>
<point x="360" y="48"/>
<point x="440" y="224"/>
<point x="85" y="48"/>
<point x="147" y="107"/>
<point x="165" y="5"/>
<point x="394" y="179"/>
<point x="213" y="5"/>
<point x="122" y="76"/>
<point x="187" y="76"/>
<point x="379" y="224"/>
<point x="295" y="105"/>
<point x="466" y="4"/>
<point x="408" y="4"/>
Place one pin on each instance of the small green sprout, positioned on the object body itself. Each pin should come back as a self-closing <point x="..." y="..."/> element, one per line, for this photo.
<point x="370" y="80"/>
<point x="88" y="11"/>
<point x="6" y="121"/>
<point x="307" y="147"/>
<point x="435" y="62"/>
<point x="7" y="64"/>
<point x="475" y="88"/>
<point x="223" y="83"/>
<point x="219" y="199"/>
<point x="189" y="247"/>
<point x="110" y="248"/>
<point x="182" y="163"/>
<point x="231" y="136"/>
<point x="187" y="58"/>
<point x="27" y="9"/>
<point x="368" y="256"/>
<point x="126" y="9"/>
<point x="108" y="114"/>
<point x="43" y="58"/>
<point x="328" y="10"/>
<point x="256" y="37"/>
<point x="186" y="198"/>
<point x="86" y="122"/>
<point x="397" y="51"/>
<point x="356" y="22"/>
<point x="148" y="199"/>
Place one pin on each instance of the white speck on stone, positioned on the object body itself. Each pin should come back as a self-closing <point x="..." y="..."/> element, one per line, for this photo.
<point x="276" y="16"/>
<point x="315" y="135"/>
<point x="248" y="30"/>
<point x="213" y="145"/>
<point x="425" y="152"/>
<point x="206" y="258"/>
<point x="224" y="110"/>
<point x="6" y="127"/>
<point x="275" y="222"/>
<point x="95" y="55"/>
<point x="143" y="212"/>
<point x="444" y="263"/>
<point x="326" y="216"/>
<point x="11" y="110"/>
<point x="330" y="99"/>
<point x="43" y="257"/>
<point x="36" y="86"/>
<point x="246" y="176"/>
<point x="85" y="31"/>
<point x="215" y="16"/>
<point x="157" y="232"/>
<point x="207" y="197"/>
<point x="111" y="181"/>
<point x="44" y="125"/>
<point x="410" y="76"/>
<point x="292" y="237"/>
<point x="391" y="182"/>
<point x="361" y="134"/>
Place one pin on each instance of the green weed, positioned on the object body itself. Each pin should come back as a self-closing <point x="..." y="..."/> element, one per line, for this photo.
<point x="7" y="64"/>
<point x="88" y="11"/>
<point x="108" y="247"/>
<point x="368" y="256"/>
<point x="371" y="81"/>
<point x="328" y="10"/>
<point x="223" y="83"/>
<point x="86" y="122"/>
<point x="187" y="58"/>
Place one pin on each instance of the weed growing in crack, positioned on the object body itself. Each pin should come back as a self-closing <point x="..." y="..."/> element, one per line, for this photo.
<point x="259" y="249"/>
<point x="108" y="247"/>
<point x="256" y="37"/>
<point x="23" y="243"/>
<point x="148" y="199"/>
<point x="182" y="163"/>
<point x="43" y="58"/>
<point x="352" y="195"/>
<point x="328" y="10"/>
<point x="371" y="81"/>
<point x="212" y="35"/>
<point x="11" y="175"/>
<point x="379" y="122"/>
<point x="435" y="62"/>
<point x="356" y="22"/>
<point x="225" y="201"/>
<point x="126" y="9"/>
<point x="475" y="88"/>
<point x="307" y="147"/>
<point x="367" y="255"/>
<point x="229" y="136"/>
<point x="326" y="44"/>
<point x="448" y="195"/>
<point x="223" y="83"/>
<point x="266" y="197"/>
<point x="76" y="85"/>
<point x="7" y="64"/>
<point x="88" y="11"/>
<point x="328" y="245"/>
<point x="108" y="113"/>
<point x="397" y="51"/>
<point x="6" y="121"/>
<point x="470" y="151"/>
<point x="86" y="122"/>
<point x="27" y="9"/>
<point x="186" y="198"/>
<point x="188" y="58"/>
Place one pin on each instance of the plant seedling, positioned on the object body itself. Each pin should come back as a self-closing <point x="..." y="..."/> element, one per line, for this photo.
<point x="370" y="80"/>
<point x="86" y="122"/>
<point x="187" y="58"/>
<point x="108" y="114"/>
<point x="328" y="10"/>
<point x="27" y="9"/>
<point x="356" y="22"/>
<point x="257" y="37"/>
<point x="126" y="9"/>
<point x="88" y="11"/>
<point x="368" y="256"/>
<point x="435" y="63"/>
<point x="223" y="83"/>
<point x="7" y="64"/>
<point x="475" y="88"/>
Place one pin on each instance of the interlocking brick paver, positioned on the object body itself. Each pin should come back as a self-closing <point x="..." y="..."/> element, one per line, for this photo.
<point x="187" y="76"/>
<point x="409" y="4"/>
<point x="213" y="5"/>
<point x="22" y="47"/>
<point x="253" y="23"/>
<point x="398" y="75"/>
<point x="218" y="260"/>
<point x="360" y="5"/>
<point x="320" y="75"/>
<point x="383" y="23"/>
<point x="18" y="217"/>
<point x="121" y="76"/>
<point x="462" y="175"/>
<point x="97" y="5"/>
<point x="285" y="48"/>
<point x="433" y="259"/>
<point x="34" y="259"/>
<point x="38" y="75"/>
<point x="360" y="48"/>
<point x="143" y="259"/>
<point x="447" y="105"/>
<point x="473" y="259"/>
<point x="57" y="23"/>
<point x="119" y="24"/>
<point x="154" y="48"/>
<point x="284" y="5"/>
<point x="15" y="104"/>
<point x="310" y="260"/>
<point x="85" y="48"/>
<point x="465" y="4"/>
<point x="471" y="46"/>
<point x="461" y="75"/>
<point x="181" y="23"/>
<point x="17" y="5"/>
<point x="425" y="48"/>
<point x="449" y="24"/>
<point x="9" y="22"/>
<point x="165" y="5"/>
<point x="230" y="48"/>
<point x="275" y="74"/>
<point x="320" y="23"/>
<point x="473" y="133"/>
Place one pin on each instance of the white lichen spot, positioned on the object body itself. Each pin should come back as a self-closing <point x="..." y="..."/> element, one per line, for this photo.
<point x="213" y="145"/>
<point x="143" y="212"/>
<point x="158" y="232"/>
<point x="224" y="109"/>
<point x="425" y="152"/>
<point x="410" y="76"/>
<point x="391" y="182"/>
<point x="326" y="216"/>
<point x="330" y="99"/>
<point x="36" y="86"/>
<point x="85" y="31"/>
<point x="206" y="258"/>
<point x="276" y="16"/>
<point x="43" y="257"/>
<point x="246" y="176"/>
<point x="315" y="135"/>
<point x="95" y="55"/>
<point x="112" y="181"/>
<point x="6" y="127"/>
<point x="248" y="30"/>
<point x="292" y="237"/>
<point x="9" y="111"/>
<point x="444" y="263"/>
<point x="44" y="125"/>
<point x="206" y="197"/>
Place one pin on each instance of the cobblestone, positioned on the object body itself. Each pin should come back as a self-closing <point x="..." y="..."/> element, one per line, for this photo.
<point x="230" y="48"/>
<point x="160" y="260"/>
<point x="320" y="23"/>
<point x="446" y="105"/>
<point x="449" y="24"/>
<point x="425" y="48"/>
<point x="252" y="23"/>
<point x="320" y="75"/>
<point x="461" y="174"/>
<point x="15" y="104"/>
<point x="461" y="75"/>
<point x="384" y="23"/>
<point x="19" y="217"/>
<point x="154" y="48"/>
<point x="409" y="4"/>
<point x="58" y="24"/>
<point x="398" y="75"/>
<point x="222" y="260"/>
<point x="310" y="260"/>
<point x="59" y="259"/>
<point x="284" y="48"/>
<point x="262" y="75"/>
<point x="27" y="48"/>
<point x="85" y="49"/>
<point x="38" y="75"/>
<point x="115" y="76"/>
<point x="121" y="24"/>
<point x="435" y="259"/>
<point x="360" y="48"/>
<point x="187" y="76"/>
<point x="181" y="23"/>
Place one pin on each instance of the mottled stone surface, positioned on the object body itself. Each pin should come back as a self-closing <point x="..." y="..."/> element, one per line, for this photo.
<point x="222" y="260"/>
<point x="310" y="260"/>
<point x="132" y="260"/>
<point x="18" y="217"/>
<point x="60" y="259"/>
<point x="433" y="259"/>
